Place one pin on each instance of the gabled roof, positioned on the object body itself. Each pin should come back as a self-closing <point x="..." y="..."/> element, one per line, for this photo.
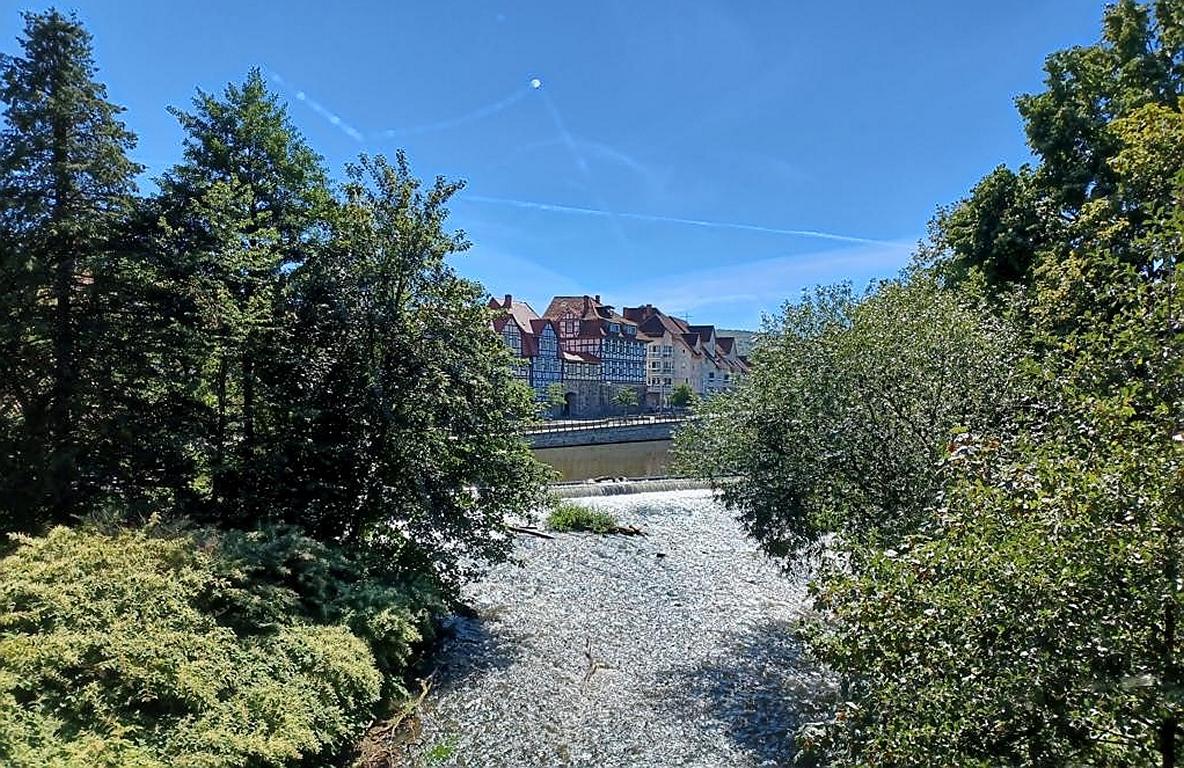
<point x="595" y="316"/>
<point x="522" y="312"/>
<point x="522" y="315"/>
<point x="539" y="323"/>
<point x="580" y="357"/>
<point x="704" y="332"/>
<point x="654" y="323"/>
<point x="584" y="307"/>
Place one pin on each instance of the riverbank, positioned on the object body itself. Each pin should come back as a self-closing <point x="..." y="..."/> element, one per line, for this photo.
<point x="673" y="648"/>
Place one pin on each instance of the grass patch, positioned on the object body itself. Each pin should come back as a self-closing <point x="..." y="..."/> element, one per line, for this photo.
<point x="440" y="752"/>
<point x="569" y="516"/>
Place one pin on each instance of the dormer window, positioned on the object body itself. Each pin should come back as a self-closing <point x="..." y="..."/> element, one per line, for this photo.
<point x="614" y="327"/>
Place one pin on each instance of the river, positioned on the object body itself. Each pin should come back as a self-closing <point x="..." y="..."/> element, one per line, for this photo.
<point x="584" y="462"/>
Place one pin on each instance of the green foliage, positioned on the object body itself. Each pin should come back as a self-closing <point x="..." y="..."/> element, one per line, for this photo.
<point x="682" y="396"/>
<point x="404" y="429"/>
<point x="848" y="409"/>
<point x="1085" y="188"/>
<point x="570" y="516"/>
<point x="626" y="398"/>
<point x="998" y="230"/>
<point x="1137" y="62"/>
<point x="440" y="752"/>
<point x="554" y="397"/>
<point x="1007" y="582"/>
<point x="66" y="192"/>
<point x="192" y="648"/>
<point x="1027" y="627"/>
<point x="250" y="345"/>
<point x="244" y="208"/>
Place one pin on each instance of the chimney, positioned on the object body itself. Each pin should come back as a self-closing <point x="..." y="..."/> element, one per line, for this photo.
<point x="597" y="297"/>
<point x="509" y="301"/>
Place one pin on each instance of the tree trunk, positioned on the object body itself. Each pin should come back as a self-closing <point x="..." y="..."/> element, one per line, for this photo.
<point x="1171" y="724"/>
<point x="64" y="383"/>
<point x="248" y="403"/>
<point x="1167" y="741"/>
<point x="219" y="467"/>
<point x="63" y="470"/>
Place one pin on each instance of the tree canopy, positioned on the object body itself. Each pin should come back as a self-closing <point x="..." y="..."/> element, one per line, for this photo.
<point x="252" y="343"/>
<point x="991" y="446"/>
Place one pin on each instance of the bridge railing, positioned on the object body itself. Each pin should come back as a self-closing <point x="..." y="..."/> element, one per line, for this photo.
<point x="583" y="425"/>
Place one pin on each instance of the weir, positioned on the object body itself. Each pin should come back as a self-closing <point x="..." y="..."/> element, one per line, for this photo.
<point x="603" y="431"/>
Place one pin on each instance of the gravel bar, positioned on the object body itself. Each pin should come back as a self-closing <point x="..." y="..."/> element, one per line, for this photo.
<point x="671" y="649"/>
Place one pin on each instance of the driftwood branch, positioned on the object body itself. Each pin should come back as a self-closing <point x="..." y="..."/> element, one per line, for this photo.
<point x="529" y="531"/>
<point x="626" y="530"/>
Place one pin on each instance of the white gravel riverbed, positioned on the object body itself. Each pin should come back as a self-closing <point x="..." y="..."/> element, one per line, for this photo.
<point x="670" y="649"/>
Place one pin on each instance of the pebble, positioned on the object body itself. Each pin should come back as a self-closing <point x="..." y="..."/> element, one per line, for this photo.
<point x="676" y="648"/>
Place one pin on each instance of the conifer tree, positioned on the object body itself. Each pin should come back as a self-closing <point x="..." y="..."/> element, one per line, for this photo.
<point x="240" y="213"/>
<point x="66" y="187"/>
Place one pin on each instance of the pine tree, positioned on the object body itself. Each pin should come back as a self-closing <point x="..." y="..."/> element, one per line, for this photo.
<point x="240" y="212"/>
<point x="66" y="187"/>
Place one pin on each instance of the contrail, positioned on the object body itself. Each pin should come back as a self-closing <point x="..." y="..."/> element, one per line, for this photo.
<point x="582" y="164"/>
<point x="555" y="208"/>
<point x="565" y="135"/>
<point x="315" y="106"/>
<point x="455" y="122"/>
<point x="392" y="133"/>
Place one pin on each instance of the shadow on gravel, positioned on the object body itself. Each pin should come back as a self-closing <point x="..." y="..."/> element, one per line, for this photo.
<point x="469" y="648"/>
<point x="760" y="687"/>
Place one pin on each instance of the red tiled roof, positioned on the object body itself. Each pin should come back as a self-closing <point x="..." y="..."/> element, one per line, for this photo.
<point x="586" y="308"/>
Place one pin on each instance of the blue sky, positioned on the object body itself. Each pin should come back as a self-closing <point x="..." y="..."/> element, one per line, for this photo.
<point x="829" y="131"/>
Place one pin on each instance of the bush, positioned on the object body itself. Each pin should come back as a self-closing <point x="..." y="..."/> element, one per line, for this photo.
<point x="569" y="516"/>
<point x="682" y="396"/>
<point x="193" y="648"/>
<point x="849" y="408"/>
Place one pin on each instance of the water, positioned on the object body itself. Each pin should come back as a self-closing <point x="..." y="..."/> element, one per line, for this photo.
<point x="583" y="462"/>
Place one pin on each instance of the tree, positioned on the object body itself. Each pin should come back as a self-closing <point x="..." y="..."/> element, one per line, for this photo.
<point x="555" y="398"/>
<point x="66" y="188"/>
<point x="626" y="398"/>
<point x="998" y="230"/>
<point x="1074" y="128"/>
<point x="1017" y="599"/>
<point x="1042" y="602"/>
<point x="1138" y="61"/>
<point x="682" y="395"/>
<point x="849" y="406"/>
<point x="404" y="430"/>
<point x="241" y="213"/>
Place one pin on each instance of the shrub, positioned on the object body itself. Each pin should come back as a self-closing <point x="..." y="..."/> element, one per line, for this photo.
<point x="682" y="396"/>
<point x="569" y="516"/>
<point x="849" y="408"/>
<point x="192" y="648"/>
